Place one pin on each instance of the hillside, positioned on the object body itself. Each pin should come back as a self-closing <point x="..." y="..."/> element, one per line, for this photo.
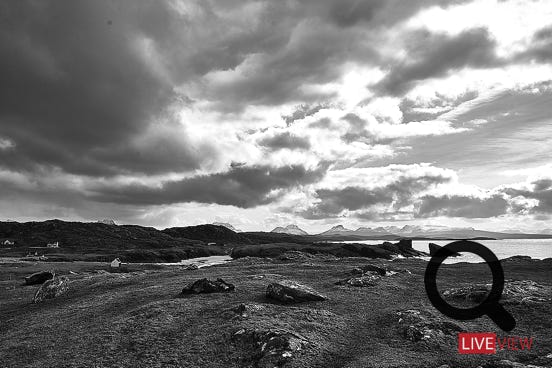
<point x="207" y="233"/>
<point x="98" y="241"/>
<point x="88" y="235"/>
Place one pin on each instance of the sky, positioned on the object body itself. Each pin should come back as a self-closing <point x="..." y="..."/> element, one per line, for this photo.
<point x="268" y="113"/>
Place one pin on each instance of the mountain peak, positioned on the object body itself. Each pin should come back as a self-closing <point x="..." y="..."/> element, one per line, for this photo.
<point x="337" y="229"/>
<point x="290" y="229"/>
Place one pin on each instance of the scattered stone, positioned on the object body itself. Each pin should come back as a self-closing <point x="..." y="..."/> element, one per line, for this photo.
<point x="292" y="292"/>
<point x="367" y="279"/>
<point x="51" y="289"/>
<point x="422" y="326"/>
<point x="39" y="278"/>
<point x="366" y="268"/>
<point x="433" y="248"/>
<point x="273" y="348"/>
<point x="207" y="286"/>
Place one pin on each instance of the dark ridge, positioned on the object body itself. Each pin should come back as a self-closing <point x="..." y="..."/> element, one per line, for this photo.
<point x="208" y="233"/>
<point x="87" y="235"/>
<point x="92" y="241"/>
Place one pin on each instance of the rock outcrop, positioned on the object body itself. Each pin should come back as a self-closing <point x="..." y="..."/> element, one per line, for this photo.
<point x="369" y="268"/>
<point x="367" y="279"/>
<point x="292" y="292"/>
<point x="422" y="326"/>
<point x="205" y="286"/>
<point x="273" y="348"/>
<point x="51" y="289"/>
<point x="38" y="278"/>
<point x="403" y="248"/>
<point x="515" y="292"/>
<point x="433" y="248"/>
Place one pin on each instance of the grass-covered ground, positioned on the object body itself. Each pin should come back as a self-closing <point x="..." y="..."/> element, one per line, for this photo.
<point x="135" y="319"/>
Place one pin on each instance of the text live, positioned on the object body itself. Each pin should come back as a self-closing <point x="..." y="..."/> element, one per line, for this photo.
<point x="489" y="343"/>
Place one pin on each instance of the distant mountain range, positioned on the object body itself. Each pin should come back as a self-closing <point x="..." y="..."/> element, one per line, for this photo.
<point x="290" y="229"/>
<point x="426" y="232"/>
<point x="339" y="232"/>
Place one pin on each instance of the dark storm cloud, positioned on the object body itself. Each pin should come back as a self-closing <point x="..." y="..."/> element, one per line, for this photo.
<point x="541" y="47"/>
<point x="309" y="43"/>
<point x="302" y="112"/>
<point x="349" y="12"/>
<point x="76" y="91"/>
<point x="401" y="192"/>
<point x="241" y="186"/>
<point x="83" y="83"/>
<point x="434" y="55"/>
<point x="333" y="202"/>
<point x="461" y="206"/>
<point x="541" y="190"/>
<point x="374" y="13"/>
<point x="285" y="140"/>
<point x="316" y="56"/>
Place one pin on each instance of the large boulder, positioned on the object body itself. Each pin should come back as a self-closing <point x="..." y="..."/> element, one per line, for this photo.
<point x="207" y="286"/>
<point x="51" y="289"/>
<point x="292" y="292"/>
<point x="39" y="278"/>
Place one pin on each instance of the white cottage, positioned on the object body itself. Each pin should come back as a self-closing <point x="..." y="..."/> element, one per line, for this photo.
<point x="8" y="242"/>
<point x="116" y="263"/>
<point x="53" y="245"/>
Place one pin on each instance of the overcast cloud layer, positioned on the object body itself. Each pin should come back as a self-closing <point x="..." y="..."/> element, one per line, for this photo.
<point x="264" y="113"/>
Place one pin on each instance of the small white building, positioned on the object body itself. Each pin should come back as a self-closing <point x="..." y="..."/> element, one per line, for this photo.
<point x="8" y="242"/>
<point x="53" y="245"/>
<point x="116" y="263"/>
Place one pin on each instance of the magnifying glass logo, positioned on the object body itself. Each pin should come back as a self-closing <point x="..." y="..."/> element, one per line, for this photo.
<point x="490" y="306"/>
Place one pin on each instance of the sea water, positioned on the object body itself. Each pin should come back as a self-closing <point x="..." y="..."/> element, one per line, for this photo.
<point x="534" y="248"/>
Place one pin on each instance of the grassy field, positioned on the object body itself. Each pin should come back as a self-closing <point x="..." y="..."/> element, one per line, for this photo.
<point x="136" y="319"/>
